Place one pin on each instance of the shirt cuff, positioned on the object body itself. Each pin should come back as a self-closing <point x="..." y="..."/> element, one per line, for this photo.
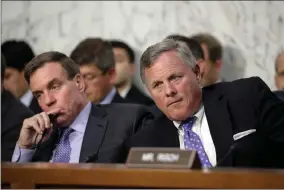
<point x="22" y="155"/>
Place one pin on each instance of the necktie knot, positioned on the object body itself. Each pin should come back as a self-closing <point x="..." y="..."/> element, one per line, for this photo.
<point x="66" y="132"/>
<point x="188" y="124"/>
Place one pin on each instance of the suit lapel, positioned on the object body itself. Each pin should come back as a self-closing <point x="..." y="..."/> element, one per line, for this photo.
<point x="118" y="99"/>
<point x="220" y="125"/>
<point x="166" y="134"/>
<point x="94" y="133"/>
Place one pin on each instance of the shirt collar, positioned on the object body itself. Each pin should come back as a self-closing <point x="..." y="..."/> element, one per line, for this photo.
<point x="80" y="123"/>
<point x="199" y="115"/>
<point x="27" y="98"/>
<point x="109" y="97"/>
<point x="125" y="91"/>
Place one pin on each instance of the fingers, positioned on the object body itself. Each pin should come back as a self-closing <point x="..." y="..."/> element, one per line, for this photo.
<point x="41" y="122"/>
<point x="46" y="120"/>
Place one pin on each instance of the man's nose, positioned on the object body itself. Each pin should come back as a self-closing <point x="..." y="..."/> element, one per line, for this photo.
<point x="170" y="90"/>
<point x="49" y="99"/>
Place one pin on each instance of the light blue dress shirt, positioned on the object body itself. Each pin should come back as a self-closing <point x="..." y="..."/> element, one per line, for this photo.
<point x="75" y="138"/>
<point x="109" y="97"/>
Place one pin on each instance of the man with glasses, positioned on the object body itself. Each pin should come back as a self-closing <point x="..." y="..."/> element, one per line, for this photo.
<point x="97" y="67"/>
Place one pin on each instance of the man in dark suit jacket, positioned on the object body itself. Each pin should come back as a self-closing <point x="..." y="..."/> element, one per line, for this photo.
<point x="71" y="129"/>
<point x="13" y="113"/>
<point x="279" y="94"/>
<point x="17" y="55"/>
<point x="234" y="124"/>
<point x="125" y="69"/>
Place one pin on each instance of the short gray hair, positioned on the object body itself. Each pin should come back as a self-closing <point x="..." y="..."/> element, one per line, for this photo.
<point x="153" y="52"/>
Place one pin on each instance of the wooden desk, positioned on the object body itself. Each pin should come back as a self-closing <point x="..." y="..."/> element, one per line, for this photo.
<point x="33" y="175"/>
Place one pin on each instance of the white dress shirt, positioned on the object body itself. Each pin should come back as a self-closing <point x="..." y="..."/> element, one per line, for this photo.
<point x="26" y="99"/>
<point x="125" y="91"/>
<point x="201" y="128"/>
<point x="75" y="138"/>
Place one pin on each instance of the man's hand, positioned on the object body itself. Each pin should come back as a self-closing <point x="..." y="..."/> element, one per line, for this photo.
<point x="33" y="128"/>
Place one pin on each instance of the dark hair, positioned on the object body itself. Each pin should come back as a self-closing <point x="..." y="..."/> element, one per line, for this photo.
<point x="123" y="45"/>
<point x="71" y="68"/>
<point x="17" y="53"/>
<point x="213" y="44"/>
<point x="94" y="51"/>
<point x="3" y="66"/>
<point x="193" y="45"/>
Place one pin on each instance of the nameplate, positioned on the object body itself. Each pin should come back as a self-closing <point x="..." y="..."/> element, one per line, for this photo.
<point x="162" y="158"/>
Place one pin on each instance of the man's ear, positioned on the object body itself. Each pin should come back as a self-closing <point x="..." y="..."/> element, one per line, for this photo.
<point x="112" y="75"/>
<point x="132" y="68"/>
<point x="80" y="83"/>
<point x="197" y="73"/>
<point x="219" y="64"/>
<point x="276" y="80"/>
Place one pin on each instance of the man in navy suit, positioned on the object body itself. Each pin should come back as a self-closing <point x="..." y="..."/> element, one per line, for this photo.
<point x="231" y="124"/>
<point x="71" y="129"/>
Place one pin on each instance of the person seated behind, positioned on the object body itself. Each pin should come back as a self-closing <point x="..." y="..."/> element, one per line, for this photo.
<point x="125" y="69"/>
<point x="13" y="113"/>
<point x="229" y="124"/>
<point x="78" y="131"/>
<point x="279" y="71"/>
<point x="18" y="54"/>
<point x="97" y="66"/>
<point x="212" y="50"/>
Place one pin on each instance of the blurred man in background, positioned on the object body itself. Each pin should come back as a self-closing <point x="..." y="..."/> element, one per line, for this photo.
<point x="212" y="50"/>
<point x="125" y="69"/>
<point x="279" y="71"/>
<point x="18" y="54"/>
<point x="97" y="67"/>
<point x="279" y="75"/>
<point x="13" y="113"/>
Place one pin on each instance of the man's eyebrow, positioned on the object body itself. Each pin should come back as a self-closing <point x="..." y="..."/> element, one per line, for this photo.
<point x="49" y="84"/>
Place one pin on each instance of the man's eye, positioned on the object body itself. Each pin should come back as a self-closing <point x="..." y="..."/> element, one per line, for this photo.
<point x="55" y="87"/>
<point x="37" y="96"/>
<point x="90" y="77"/>
<point x="176" y="77"/>
<point x="157" y="85"/>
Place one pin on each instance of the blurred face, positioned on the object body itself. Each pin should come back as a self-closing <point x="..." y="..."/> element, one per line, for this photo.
<point x="279" y="77"/>
<point x="210" y="71"/>
<point x="98" y="84"/>
<point x="174" y="86"/>
<point x="123" y="68"/>
<point x="50" y="85"/>
<point x="15" y="82"/>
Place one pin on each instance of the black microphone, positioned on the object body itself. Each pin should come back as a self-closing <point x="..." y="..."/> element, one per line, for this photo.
<point x="232" y="147"/>
<point x="91" y="158"/>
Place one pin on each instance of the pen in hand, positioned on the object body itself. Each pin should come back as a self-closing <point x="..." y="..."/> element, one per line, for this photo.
<point x="52" y="118"/>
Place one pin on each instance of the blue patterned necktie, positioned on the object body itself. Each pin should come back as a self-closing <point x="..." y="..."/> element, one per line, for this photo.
<point x="193" y="142"/>
<point x="63" y="149"/>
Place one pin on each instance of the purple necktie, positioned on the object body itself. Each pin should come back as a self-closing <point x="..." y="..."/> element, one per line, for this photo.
<point x="63" y="149"/>
<point x="193" y="142"/>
